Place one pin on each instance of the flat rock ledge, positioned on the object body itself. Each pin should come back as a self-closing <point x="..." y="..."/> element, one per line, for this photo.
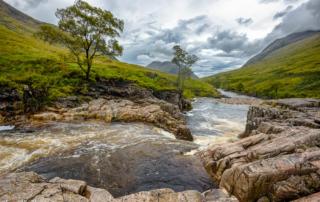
<point x="153" y="111"/>
<point x="28" y="186"/>
<point x="277" y="157"/>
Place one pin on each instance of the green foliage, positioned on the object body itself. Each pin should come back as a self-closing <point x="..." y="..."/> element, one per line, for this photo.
<point x="292" y="71"/>
<point x="86" y="31"/>
<point x="25" y="60"/>
<point x="184" y="61"/>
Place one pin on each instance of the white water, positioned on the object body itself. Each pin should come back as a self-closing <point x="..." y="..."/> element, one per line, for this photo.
<point x="210" y="121"/>
<point x="213" y="122"/>
<point x="232" y="94"/>
<point x="18" y="148"/>
<point x="6" y="128"/>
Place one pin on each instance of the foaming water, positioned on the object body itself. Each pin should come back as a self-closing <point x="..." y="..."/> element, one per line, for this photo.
<point x="6" y="128"/>
<point x="18" y="148"/>
<point x="213" y="122"/>
<point x="124" y="157"/>
<point x="232" y="94"/>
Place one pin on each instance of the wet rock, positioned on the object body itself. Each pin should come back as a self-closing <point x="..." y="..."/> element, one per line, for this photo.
<point x="28" y="186"/>
<point x="10" y="103"/>
<point x="241" y="101"/>
<point x="158" y="113"/>
<point x="219" y="195"/>
<point x="278" y="157"/>
<point x="312" y="198"/>
<point x="163" y="195"/>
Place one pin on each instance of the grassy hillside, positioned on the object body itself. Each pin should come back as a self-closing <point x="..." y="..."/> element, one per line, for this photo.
<point x="291" y="71"/>
<point x="26" y="60"/>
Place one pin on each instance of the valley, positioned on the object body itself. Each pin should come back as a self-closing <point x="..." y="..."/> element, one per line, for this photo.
<point x="83" y="117"/>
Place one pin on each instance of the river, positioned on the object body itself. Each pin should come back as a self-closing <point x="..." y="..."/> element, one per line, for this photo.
<point x="124" y="158"/>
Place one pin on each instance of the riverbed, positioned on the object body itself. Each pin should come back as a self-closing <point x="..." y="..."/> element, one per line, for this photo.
<point x="124" y="157"/>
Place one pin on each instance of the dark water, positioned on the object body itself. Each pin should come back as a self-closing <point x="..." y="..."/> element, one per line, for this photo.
<point x="124" y="158"/>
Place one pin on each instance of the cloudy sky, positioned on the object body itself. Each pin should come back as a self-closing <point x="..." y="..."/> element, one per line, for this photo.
<point x="223" y="33"/>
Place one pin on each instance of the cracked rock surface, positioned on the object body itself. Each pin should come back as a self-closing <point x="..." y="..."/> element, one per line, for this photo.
<point x="28" y="186"/>
<point x="277" y="157"/>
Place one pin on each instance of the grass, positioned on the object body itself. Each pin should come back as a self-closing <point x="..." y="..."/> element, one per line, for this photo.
<point x="292" y="71"/>
<point x="26" y="60"/>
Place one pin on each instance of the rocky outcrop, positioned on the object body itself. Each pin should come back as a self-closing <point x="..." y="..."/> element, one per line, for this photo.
<point x="28" y="186"/>
<point x="108" y="100"/>
<point x="157" y="112"/>
<point x="9" y="102"/>
<point x="278" y="157"/>
<point x="241" y="101"/>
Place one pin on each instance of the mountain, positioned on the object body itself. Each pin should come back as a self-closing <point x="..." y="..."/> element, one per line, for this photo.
<point x="280" y="43"/>
<point x="288" y="67"/>
<point x="167" y="67"/>
<point x="28" y="61"/>
<point x="14" y="19"/>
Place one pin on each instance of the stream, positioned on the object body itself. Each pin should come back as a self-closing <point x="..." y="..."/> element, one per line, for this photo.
<point x="124" y="158"/>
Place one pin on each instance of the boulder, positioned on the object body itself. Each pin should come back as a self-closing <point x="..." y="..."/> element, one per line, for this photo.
<point x="278" y="157"/>
<point x="28" y="186"/>
<point x="159" y="113"/>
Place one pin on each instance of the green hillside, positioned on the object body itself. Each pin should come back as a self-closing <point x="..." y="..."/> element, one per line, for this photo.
<point x="26" y="60"/>
<point x="290" y="71"/>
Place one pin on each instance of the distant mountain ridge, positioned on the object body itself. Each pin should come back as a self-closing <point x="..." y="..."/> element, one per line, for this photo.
<point x="288" y="67"/>
<point x="9" y="16"/>
<point x="167" y="67"/>
<point x="280" y="43"/>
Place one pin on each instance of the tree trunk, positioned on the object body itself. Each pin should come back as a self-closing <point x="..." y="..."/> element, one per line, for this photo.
<point x="179" y="79"/>
<point x="88" y="65"/>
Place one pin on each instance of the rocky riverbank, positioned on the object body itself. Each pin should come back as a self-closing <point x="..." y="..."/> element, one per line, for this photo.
<point x="277" y="157"/>
<point x="106" y="100"/>
<point x="29" y="186"/>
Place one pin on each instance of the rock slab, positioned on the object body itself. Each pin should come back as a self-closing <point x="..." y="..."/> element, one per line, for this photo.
<point x="277" y="157"/>
<point x="28" y="186"/>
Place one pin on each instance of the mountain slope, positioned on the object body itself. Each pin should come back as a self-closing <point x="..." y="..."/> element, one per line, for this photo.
<point x="14" y="19"/>
<point x="167" y="67"/>
<point x="280" y="43"/>
<point x="289" y="71"/>
<point x="26" y="60"/>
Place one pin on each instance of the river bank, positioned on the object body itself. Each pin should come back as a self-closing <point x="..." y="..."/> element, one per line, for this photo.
<point x="135" y="161"/>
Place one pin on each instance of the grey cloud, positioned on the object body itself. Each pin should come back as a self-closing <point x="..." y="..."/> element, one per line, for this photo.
<point x="244" y="21"/>
<point x="282" y="13"/>
<point x="26" y="4"/>
<point x="228" y="41"/>
<point x="305" y="17"/>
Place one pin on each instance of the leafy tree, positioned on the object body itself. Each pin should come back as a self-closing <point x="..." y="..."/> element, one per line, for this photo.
<point x="184" y="61"/>
<point x="240" y="87"/>
<point x="86" y="31"/>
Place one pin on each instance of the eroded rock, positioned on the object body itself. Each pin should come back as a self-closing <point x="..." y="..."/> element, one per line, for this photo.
<point x="159" y="113"/>
<point x="278" y="157"/>
<point x="28" y="186"/>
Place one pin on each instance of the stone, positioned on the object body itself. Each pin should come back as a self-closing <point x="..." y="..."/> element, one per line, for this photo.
<point x="311" y="198"/>
<point x="98" y="195"/>
<point x="75" y="186"/>
<point x="159" y="113"/>
<point x="277" y="157"/>
<point x="163" y="195"/>
<point x="28" y="186"/>
<point x="219" y="195"/>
